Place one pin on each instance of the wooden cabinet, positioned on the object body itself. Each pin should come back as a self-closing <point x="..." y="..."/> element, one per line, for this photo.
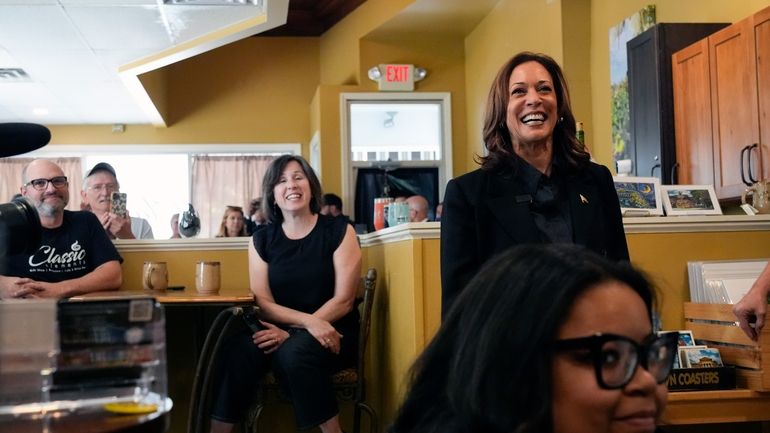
<point x="738" y="78"/>
<point x="651" y="108"/>
<point x="692" y="115"/>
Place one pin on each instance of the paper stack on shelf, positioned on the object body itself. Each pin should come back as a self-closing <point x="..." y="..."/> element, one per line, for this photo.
<point x="723" y="281"/>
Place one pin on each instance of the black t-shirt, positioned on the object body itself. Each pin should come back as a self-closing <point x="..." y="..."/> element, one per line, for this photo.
<point x="72" y="250"/>
<point x="301" y="271"/>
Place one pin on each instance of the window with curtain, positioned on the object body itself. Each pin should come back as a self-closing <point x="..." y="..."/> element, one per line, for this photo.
<point x="221" y="181"/>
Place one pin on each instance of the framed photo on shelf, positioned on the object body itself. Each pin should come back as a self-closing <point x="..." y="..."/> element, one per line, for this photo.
<point x="690" y="200"/>
<point x="639" y="196"/>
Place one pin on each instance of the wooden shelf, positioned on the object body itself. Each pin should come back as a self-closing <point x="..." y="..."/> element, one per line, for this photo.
<point x="706" y="407"/>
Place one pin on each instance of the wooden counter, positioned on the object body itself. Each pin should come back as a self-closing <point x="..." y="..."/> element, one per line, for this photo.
<point x="407" y="310"/>
<point x="707" y="407"/>
<point x="177" y="297"/>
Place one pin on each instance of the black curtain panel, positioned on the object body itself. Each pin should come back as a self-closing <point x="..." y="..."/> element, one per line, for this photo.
<point x="371" y="182"/>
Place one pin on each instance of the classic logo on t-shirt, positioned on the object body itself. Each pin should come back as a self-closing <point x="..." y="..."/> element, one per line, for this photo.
<point x="47" y="259"/>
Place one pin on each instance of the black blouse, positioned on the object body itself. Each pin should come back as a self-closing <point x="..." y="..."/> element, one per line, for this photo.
<point x="301" y="271"/>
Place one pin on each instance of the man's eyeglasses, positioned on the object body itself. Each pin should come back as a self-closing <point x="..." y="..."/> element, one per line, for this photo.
<point x="616" y="357"/>
<point x="41" y="184"/>
<point x="109" y="187"/>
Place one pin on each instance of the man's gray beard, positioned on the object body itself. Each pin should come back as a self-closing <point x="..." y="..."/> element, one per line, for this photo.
<point x="48" y="210"/>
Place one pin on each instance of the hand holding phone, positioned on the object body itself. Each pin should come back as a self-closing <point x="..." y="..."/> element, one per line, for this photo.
<point x="251" y="315"/>
<point x="118" y="205"/>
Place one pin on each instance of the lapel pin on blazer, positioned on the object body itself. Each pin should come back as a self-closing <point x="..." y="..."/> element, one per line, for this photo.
<point x="583" y="199"/>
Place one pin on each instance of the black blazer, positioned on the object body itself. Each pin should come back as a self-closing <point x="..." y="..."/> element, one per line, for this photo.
<point x="484" y="214"/>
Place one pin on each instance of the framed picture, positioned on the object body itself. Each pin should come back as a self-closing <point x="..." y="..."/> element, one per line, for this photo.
<point x="701" y="357"/>
<point x="686" y="338"/>
<point x="639" y="196"/>
<point x="690" y="200"/>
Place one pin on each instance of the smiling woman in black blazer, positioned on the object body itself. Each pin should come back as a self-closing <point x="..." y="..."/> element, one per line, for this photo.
<point x="536" y="185"/>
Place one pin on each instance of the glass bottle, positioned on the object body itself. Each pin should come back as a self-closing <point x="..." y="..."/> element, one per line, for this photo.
<point x="580" y="134"/>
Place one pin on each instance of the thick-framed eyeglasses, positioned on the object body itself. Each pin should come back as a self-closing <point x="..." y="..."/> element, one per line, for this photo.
<point x="616" y="357"/>
<point x="41" y="184"/>
<point x="109" y="187"/>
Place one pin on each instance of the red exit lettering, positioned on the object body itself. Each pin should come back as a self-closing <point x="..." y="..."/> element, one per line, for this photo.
<point x="397" y="73"/>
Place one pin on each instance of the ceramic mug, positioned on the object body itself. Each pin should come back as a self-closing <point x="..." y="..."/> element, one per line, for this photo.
<point x="760" y="196"/>
<point x="207" y="277"/>
<point x="155" y="276"/>
<point x="379" y="212"/>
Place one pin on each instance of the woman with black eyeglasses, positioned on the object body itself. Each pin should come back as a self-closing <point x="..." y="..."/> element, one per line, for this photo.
<point x="544" y="339"/>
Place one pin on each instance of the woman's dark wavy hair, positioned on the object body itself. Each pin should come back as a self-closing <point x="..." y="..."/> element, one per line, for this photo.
<point x="273" y="175"/>
<point x="497" y="139"/>
<point x="488" y="369"/>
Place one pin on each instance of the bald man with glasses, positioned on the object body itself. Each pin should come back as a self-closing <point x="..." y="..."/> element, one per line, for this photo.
<point x="75" y="255"/>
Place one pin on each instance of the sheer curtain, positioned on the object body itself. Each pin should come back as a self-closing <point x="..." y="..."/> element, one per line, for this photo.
<point x="220" y="181"/>
<point x="10" y="178"/>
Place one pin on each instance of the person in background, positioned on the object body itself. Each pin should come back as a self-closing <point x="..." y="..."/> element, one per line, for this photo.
<point x="332" y="205"/>
<point x="751" y="309"/>
<point x="535" y="185"/>
<point x="255" y="218"/>
<point x="175" y="226"/>
<point x="544" y="339"/>
<point x="418" y="209"/>
<point x="75" y="255"/>
<point x="98" y="186"/>
<point x="439" y="209"/>
<point x="232" y="223"/>
<point x="304" y="269"/>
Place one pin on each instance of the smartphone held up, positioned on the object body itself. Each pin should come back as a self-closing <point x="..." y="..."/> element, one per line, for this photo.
<point x="118" y="206"/>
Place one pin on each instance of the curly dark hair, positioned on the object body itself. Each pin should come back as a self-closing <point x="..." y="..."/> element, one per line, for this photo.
<point x="488" y="369"/>
<point x="497" y="139"/>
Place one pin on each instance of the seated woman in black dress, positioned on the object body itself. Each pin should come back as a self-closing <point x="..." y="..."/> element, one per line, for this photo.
<point x="304" y="268"/>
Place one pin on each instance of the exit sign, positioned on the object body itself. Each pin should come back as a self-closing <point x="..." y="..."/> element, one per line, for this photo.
<point x="396" y="77"/>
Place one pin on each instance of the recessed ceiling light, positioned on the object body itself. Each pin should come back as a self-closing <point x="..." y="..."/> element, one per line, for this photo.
<point x="40" y="111"/>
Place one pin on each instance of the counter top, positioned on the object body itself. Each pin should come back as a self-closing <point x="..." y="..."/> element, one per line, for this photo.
<point x="675" y="224"/>
<point x="187" y="296"/>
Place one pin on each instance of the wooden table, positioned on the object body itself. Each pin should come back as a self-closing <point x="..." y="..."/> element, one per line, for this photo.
<point x="189" y="315"/>
<point x="92" y="421"/>
<point x="177" y="297"/>
<point x="724" y="406"/>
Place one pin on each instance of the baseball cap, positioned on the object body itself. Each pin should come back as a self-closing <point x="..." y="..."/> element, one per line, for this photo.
<point x="102" y="166"/>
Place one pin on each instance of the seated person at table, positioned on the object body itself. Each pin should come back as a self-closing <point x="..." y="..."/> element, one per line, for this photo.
<point x="98" y="187"/>
<point x="233" y="223"/>
<point x="75" y="255"/>
<point x="418" y="209"/>
<point x="544" y="339"/>
<point x="333" y="206"/>
<point x="304" y="269"/>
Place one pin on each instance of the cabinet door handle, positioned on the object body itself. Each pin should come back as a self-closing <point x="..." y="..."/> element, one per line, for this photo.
<point x="674" y="171"/>
<point x="743" y="177"/>
<point x="652" y="170"/>
<point x="751" y="176"/>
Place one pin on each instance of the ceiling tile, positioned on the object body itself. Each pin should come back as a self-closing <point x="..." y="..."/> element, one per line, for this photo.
<point x="30" y="27"/>
<point x="64" y="65"/>
<point x="121" y="26"/>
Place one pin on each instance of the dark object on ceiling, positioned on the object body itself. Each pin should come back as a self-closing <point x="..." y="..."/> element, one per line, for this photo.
<point x="18" y="138"/>
<point x="313" y="17"/>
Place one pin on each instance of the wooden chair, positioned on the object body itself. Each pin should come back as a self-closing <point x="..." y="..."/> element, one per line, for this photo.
<point x="349" y="383"/>
<point x="226" y="322"/>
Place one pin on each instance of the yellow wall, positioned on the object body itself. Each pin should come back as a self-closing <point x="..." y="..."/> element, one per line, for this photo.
<point x="406" y="314"/>
<point x="608" y="13"/>
<point x="257" y="90"/>
<point x="664" y="257"/>
<point x="181" y="267"/>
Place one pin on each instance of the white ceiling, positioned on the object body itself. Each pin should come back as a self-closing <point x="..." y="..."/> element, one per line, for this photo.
<point x="82" y="57"/>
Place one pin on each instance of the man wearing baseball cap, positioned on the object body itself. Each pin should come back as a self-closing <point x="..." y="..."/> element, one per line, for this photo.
<point x="99" y="184"/>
